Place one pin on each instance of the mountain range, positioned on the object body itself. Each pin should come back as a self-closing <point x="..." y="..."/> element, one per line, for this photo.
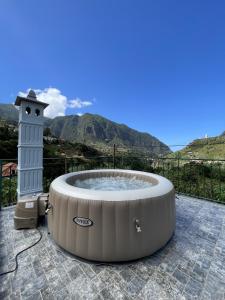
<point x="95" y="130"/>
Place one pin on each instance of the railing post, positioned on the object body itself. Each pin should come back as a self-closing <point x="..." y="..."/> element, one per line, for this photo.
<point x="114" y="156"/>
<point x="178" y="173"/>
<point x="10" y="185"/>
<point x="211" y="181"/>
<point x="0" y="184"/>
<point x="65" y="165"/>
<point x="220" y="187"/>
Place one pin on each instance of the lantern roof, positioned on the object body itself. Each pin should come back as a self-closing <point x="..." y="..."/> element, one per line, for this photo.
<point x="31" y="97"/>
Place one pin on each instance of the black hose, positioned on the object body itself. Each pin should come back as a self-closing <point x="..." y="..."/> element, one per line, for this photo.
<point x="16" y="257"/>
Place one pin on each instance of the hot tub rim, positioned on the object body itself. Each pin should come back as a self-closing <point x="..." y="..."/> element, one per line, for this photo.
<point x="163" y="187"/>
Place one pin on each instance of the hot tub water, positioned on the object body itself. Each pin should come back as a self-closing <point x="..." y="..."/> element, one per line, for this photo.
<point x="112" y="183"/>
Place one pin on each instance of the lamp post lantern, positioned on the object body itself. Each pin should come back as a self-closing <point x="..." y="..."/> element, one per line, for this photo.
<point x="30" y="145"/>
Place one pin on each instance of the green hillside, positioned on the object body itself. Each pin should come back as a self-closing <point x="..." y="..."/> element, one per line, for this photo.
<point x="53" y="147"/>
<point x="210" y="148"/>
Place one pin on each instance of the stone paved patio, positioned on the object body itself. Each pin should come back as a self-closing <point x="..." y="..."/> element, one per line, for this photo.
<point x="191" y="266"/>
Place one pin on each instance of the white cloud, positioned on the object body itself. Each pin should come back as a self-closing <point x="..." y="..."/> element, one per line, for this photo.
<point x="79" y="114"/>
<point x="58" y="102"/>
<point x="78" y="103"/>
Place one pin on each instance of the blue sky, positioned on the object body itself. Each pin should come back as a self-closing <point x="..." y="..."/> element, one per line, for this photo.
<point x="157" y="66"/>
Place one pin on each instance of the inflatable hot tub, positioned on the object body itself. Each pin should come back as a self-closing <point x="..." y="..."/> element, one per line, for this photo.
<point x="133" y="220"/>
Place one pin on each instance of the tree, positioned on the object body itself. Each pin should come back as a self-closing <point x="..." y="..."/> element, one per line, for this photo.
<point x="47" y="132"/>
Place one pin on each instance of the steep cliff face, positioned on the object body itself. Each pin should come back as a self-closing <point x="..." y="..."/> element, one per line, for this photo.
<point x="96" y="129"/>
<point x="9" y="113"/>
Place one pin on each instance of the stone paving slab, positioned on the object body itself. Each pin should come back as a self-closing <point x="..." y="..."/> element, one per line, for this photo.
<point x="190" y="266"/>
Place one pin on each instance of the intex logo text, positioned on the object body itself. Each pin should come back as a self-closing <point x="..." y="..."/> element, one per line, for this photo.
<point x="85" y="222"/>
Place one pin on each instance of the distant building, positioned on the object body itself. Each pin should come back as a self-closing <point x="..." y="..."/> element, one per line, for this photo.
<point x="9" y="169"/>
<point x="3" y="123"/>
<point x="49" y="138"/>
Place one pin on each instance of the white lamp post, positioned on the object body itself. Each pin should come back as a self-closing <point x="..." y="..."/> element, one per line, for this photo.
<point x="30" y="145"/>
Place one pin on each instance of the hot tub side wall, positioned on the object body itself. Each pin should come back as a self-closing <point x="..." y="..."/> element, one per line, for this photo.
<point x="113" y="235"/>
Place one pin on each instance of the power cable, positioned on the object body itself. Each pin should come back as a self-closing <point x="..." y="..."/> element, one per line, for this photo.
<point x="16" y="257"/>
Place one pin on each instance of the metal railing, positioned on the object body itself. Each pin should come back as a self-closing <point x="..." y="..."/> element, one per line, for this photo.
<point x="201" y="178"/>
<point x="8" y="183"/>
